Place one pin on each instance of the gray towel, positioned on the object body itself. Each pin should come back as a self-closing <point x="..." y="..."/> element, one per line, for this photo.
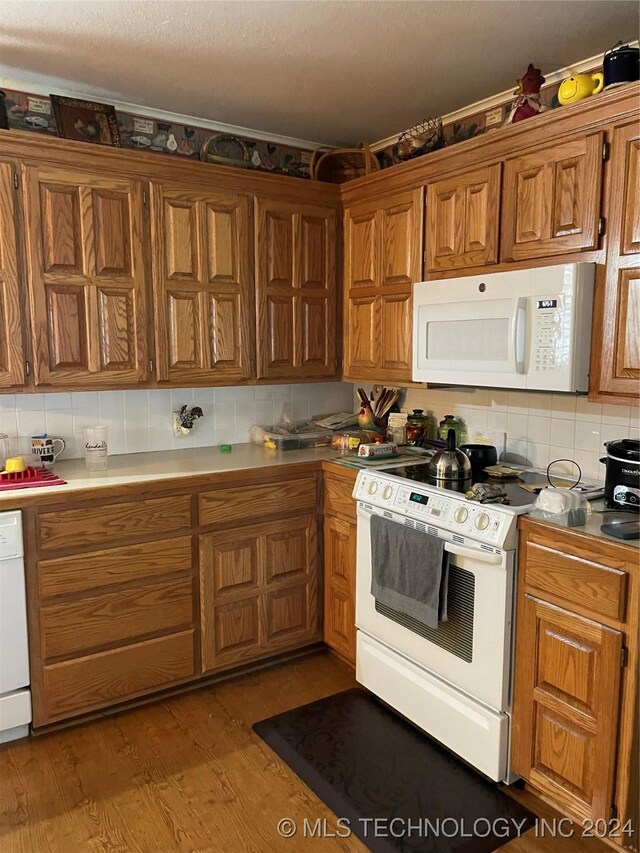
<point x="409" y="571"/>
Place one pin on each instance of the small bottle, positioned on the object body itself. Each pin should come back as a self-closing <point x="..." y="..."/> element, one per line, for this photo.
<point x="451" y="422"/>
<point x="417" y="425"/>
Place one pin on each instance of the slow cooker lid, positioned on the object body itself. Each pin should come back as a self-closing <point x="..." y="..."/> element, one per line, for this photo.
<point x="625" y="448"/>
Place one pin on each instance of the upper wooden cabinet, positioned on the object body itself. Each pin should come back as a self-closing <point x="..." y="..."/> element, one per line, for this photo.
<point x="86" y="280"/>
<point x="616" y="362"/>
<point x="12" y="364"/>
<point x="203" y="285"/>
<point x="295" y="248"/>
<point x="383" y="257"/>
<point x="463" y="217"/>
<point x="551" y="199"/>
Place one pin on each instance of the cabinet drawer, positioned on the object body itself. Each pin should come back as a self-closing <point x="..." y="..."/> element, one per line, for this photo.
<point x="77" y="626"/>
<point x="256" y="502"/>
<point x="95" y="525"/>
<point x="338" y="500"/>
<point x="576" y="580"/>
<point x="85" y="572"/>
<point x="96" y="681"/>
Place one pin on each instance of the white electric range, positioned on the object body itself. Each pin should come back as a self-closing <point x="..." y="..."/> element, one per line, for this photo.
<point x="454" y="682"/>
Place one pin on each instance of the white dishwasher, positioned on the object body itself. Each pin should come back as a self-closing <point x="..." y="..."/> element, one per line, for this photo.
<point x="15" y="696"/>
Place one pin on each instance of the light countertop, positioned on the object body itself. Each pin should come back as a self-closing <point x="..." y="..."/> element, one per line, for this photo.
<point x="599" y="515"/>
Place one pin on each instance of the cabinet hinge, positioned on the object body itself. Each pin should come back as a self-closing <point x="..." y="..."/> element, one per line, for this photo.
<point x="613" y="811"/>
<point x="27" y="368"/>
<point x="144" y="197"/>
<point x="151" y="365"/>
<point x="602" y="224"/>
<point x="605" y="152"/>
<point x="424" y="257"/>
<point x="15" y="180"/>
<point x="624" y="656"/>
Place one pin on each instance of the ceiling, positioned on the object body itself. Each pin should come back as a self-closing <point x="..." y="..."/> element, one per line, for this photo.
<point x="319" y="70"/>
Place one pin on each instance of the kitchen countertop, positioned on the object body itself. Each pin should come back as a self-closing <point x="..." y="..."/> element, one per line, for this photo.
<point x="600" y="514"/>
<point x="136" y="468"/>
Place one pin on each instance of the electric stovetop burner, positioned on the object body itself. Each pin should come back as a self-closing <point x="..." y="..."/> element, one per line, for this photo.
<point x="419" y="472"/>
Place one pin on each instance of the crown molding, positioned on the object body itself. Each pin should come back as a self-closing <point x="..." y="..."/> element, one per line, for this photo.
<point x="162" y="115"/>
<point x="501" y="97"/>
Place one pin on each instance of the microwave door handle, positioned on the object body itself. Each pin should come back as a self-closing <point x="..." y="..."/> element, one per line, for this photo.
<point x="472" y="554"/>
<point x="519" y="331"/>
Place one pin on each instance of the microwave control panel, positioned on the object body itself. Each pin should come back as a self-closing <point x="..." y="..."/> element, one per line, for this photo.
<point x="548" y="316"/>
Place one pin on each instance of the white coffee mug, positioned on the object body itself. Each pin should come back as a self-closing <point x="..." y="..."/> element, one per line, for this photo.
<point x="95" y="448"/>
<point x="43" y="448"/>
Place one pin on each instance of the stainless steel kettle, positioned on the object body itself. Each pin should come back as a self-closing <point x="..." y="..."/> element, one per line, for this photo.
<point x="451" y="463"/>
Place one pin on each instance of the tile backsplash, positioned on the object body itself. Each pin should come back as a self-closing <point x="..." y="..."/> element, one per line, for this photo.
<point x="139" y="421"/>
<point x="539" y="427"/>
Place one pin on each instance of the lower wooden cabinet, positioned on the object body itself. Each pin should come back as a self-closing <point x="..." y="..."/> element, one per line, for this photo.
<point x="575" y="717"/>
<point x="259" y="590"/>
<point x="340" y="562"/>
<point x="339" y="586"/>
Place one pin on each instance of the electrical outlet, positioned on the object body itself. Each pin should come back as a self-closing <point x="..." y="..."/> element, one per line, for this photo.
<point x="178" y="431"/>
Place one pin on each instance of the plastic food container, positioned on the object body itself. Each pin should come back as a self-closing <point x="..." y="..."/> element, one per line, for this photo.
<point x="289" y="441"/>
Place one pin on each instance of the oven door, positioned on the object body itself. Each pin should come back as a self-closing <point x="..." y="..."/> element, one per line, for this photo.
<point x="472" y="650"/>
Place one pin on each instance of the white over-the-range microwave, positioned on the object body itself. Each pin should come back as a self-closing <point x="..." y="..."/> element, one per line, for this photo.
<point x="527" y="329"/>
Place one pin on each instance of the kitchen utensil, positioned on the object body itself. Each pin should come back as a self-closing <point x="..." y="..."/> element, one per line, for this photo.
<point x="15" y="465"/>
<point x="620" y="65"/>
<point x="95" y="448"/>
<point x="480" y="455"/>
<point x="622" y="480"/>
<point x="43" y="448"/>
<point x="451" y="463"/>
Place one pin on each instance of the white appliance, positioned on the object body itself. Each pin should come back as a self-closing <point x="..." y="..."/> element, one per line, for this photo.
<point x="518" y="329"/>
<point x="453" y="682"/>
<point x="15" y="697"/>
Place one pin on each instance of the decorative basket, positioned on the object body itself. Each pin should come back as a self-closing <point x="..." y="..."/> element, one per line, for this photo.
<point x="337" y="165"/>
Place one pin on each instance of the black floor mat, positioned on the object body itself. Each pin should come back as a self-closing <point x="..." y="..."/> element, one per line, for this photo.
<point x="367" y="763"/>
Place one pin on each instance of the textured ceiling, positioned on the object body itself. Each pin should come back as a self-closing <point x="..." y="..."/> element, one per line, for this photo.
<point x="331" y="72"/>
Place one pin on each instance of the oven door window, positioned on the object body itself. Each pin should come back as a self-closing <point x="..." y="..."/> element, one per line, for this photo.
<point x="455" y="635"/>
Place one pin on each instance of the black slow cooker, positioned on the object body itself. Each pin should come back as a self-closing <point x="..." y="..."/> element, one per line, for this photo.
<point x="622" y="481"/>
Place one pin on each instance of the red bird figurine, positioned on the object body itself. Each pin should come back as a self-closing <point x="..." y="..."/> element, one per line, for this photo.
<point x="527" y="103"/>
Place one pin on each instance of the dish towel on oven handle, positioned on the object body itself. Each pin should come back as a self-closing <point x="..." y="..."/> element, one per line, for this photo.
<point x="409" y="571"/>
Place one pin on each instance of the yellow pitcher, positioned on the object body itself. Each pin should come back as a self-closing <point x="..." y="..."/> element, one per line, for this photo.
<point x="580" y="86"/>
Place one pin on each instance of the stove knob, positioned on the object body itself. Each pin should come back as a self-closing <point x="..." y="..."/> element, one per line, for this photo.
<point x="482" y="521"/>
<point x="372" y="487"/>
<point x="387" y="492"/>
<point x="461" y="514"/>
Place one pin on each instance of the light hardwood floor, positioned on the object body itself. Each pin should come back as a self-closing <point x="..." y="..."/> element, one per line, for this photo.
<point x="184" y="774"/>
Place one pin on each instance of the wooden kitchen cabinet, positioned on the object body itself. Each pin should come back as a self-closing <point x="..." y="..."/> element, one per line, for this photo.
<point x="259" y="590"/>
<point x="12" y="359"/>
<point x="463" y="219"/>
<point x="203" y="285"/>
<point x="576" y="654"/>
<point x="615" y="369"/>
<point x="551" y="199"/>
<point x="296" y="302"/>
<point x="339" y="520"/>
<point x="85" y="241"/>
<point x="383" y="257"/>
<point x="111" y="602"/>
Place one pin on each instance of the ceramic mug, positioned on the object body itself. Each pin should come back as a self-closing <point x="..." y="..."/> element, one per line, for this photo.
<point x="43" y="448"/>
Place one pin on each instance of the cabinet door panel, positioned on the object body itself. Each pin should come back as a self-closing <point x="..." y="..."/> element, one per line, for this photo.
<point x="398" y="230"/>
<point x="286" y="614"/>
<point x="339" y="586"/>
<point x="202" y="285"/>
<point x="11" y="312"/>
<point x="462" y="220"/>
<point x="395" y="323"/>
<point x="615" y="340"/>
<point x="566" y="707"/>
<point x="363" y="317"/>
<point x="551" y="200"/>
<point x="86" y="270"/>
<point x="295" y="290"/>
<point x="362" y="250"/>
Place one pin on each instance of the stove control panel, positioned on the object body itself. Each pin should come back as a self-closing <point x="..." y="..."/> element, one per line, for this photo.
<point x="448" y="510"/>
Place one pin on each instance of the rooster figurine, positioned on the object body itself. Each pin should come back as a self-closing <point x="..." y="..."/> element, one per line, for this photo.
<point x="527" y="103"/>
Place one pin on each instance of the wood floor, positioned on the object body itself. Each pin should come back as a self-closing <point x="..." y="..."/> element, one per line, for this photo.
<point x="185" y="774"/>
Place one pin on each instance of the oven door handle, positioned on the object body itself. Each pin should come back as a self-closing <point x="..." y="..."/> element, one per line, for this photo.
<point x="472" y="554"/>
